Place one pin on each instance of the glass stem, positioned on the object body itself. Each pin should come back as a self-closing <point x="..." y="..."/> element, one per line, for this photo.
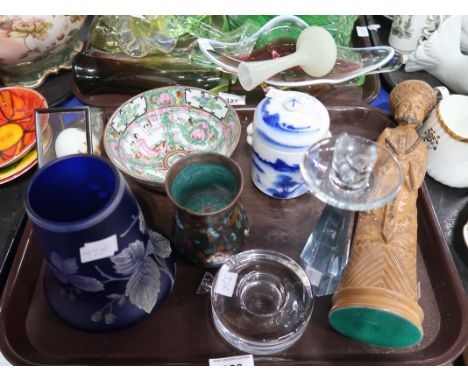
<point x="326" y="252"/>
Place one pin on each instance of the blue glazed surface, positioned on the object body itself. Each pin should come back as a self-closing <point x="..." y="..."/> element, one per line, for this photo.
<point x="278" y="136"/>
<point x="274" y="120"/>
<point x="278" y="144"/>
<point x="278" y="165"/>
<point x="257" y="166"/>
<point x="284" y="187"/>
<point x="111" y="292"/>
<point x="277" y="179"/>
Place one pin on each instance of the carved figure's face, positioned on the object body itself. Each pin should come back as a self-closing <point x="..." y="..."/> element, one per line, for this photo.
<point x="411" y="101"/>
<point x="411" y="111"/>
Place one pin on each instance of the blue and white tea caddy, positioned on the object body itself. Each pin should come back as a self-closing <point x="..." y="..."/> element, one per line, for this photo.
<point x="285" y="125"/>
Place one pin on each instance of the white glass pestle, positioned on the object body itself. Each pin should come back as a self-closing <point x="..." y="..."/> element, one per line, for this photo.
<point x="316" y="54"/>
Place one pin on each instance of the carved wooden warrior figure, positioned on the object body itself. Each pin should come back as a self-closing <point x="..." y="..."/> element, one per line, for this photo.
<point x="377" y="301"/>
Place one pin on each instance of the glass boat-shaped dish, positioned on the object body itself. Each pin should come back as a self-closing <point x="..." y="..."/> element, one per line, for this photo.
<point x="351" y="62"/>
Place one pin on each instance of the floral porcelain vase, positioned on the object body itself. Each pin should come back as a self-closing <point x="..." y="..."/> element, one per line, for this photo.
<point x="32" y="47"/>
<point x="105" y="269"/>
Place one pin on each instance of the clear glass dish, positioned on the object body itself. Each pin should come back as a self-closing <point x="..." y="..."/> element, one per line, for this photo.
<point x="356" y="175"/>
<point x="351" y="62"/>
<point x="270" y="305"/>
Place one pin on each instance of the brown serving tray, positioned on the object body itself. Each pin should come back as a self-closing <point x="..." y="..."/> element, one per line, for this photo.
<point x="343" y="94"/>
<point x="181" y="332"/>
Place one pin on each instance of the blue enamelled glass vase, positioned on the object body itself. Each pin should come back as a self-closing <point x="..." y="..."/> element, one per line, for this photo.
<point x="105" y="269"/>
<point x="285" y="125"/>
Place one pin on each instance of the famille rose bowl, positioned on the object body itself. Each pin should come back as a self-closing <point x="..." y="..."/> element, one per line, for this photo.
<point x="151" y="131"/>
<point x="17" y="122"/>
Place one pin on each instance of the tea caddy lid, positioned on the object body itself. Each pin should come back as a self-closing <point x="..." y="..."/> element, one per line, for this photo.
<point x="290" y="120"/>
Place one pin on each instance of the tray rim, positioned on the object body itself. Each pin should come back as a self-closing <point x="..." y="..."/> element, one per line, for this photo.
<point x="454" y="350"/>
<point x="462" y="339"/>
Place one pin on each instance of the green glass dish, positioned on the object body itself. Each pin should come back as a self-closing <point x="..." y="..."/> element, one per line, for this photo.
<point x="128" y="55"/>
<point x="340" y="27"/>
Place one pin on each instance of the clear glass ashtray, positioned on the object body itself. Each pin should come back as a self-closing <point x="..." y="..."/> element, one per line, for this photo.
<point x="261" y="301"/>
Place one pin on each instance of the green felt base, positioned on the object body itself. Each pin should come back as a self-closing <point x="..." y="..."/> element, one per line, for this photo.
<point x="375" y="327"/>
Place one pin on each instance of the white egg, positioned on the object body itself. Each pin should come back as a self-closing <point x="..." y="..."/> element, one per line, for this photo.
<point x="73" y="141"/>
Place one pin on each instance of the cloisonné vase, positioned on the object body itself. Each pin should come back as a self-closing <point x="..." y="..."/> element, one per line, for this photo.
<point x="210" y="224"/>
